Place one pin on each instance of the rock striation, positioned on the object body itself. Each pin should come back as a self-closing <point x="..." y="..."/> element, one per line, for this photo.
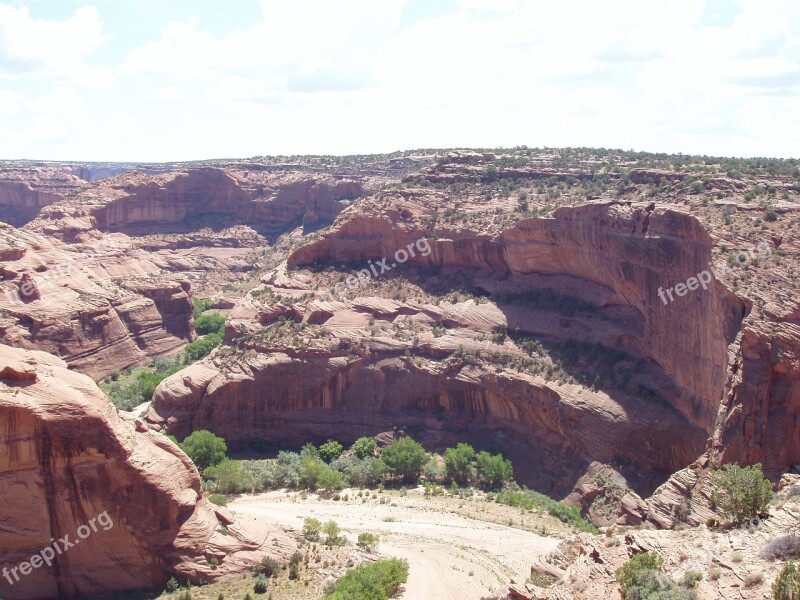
<point x="68" y="458"/>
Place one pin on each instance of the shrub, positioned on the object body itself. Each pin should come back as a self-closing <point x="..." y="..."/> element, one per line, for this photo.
<point x="202" y="347"/>
<point x="332" y="530"/>
<point x="172" y="585"/>
<point x="364" y="447"/>
<point x="311" y="529"/>
<point x="691" y="578"/>
<point x="268" y="567"/>
<point x="200" y="306"/>
<point x="330" y="479"/>
<point x="309" y="450"/>
<point x="368" y="541"/>
<point x="330" y="450"/>
<point x="458" y="462"/>
<point x="529" y="499"/>
<point x="366" y="472"/>
<point x="787" y="584"/>
<point x="741" y="492"/>
<point x="310" y="472"/>
<point x="376" y="581"/>
<point x="204" y="448"/>
<point x="261" y="585"/>
<point x="229" y="477"/>
<point x="405" y="458"/>
<point x="493" y="470"/>
<point x="637" y="573"/>
<point x="770" y="215"/>
<point x="218" y="499"/>
<point x="782" y="548"/>
<point x="210" y="324"/>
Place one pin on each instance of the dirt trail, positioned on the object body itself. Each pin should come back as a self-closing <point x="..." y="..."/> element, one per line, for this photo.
<point x="450" y="556"/>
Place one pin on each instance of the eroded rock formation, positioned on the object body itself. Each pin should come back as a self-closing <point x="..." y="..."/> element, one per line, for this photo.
<point x="67" y="459"/>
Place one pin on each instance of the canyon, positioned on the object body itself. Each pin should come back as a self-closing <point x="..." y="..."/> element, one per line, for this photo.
<point x="524" y="318"/>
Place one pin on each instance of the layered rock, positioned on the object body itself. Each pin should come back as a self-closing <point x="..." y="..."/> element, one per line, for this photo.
<point x="96" y="306"/>
<point x="70" y="465"/>
<point x="333" y="375"/>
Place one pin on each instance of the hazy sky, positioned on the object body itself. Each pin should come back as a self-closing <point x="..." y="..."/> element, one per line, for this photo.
<point x="186" y="79"/>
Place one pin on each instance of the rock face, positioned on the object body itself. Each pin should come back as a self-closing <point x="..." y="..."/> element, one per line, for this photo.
<point x="20" y="203"/>
<point x="180" y="202"/>
<point x="340" y="378"/>
<point x="97" y="308"/>
<point x="68" y="461"/>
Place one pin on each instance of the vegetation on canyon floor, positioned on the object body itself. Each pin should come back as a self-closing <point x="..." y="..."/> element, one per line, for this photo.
<point x="330" y="469"/>
<point x="132" y="387"/>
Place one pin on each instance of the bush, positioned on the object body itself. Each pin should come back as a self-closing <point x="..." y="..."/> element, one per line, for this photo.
<point x="218" y="499"/>
<point x="637" y="572"/>
<point x="368" y="541"/>
<point x="405" y="458"/>
<point x="268" y="567"/>
<point x="200" y="306"/>
<point x="332" y="530"/>
<point x="311" y="529"/>
<point x="376" y="581"/>
<point x="229" y="477"/>
<point x="172" y="585"/>
<point x="782" y="548"/>
<point x="330" y="450"/>
<point x="261" y="585"/>
<point x="330" y="480"/>
<point x="204" y="448"/>
<point x="202" y="347"/>
<point x="529" y="499"/>
<point x="787" y="584"/>
<point x="366" y="472"/>
<point x="210" y="324"/>
<point x="741" y="492"/>
<point x="770" y="215"/>
<point x="493" y="470"/>
<point x="364" y="447"/>
<point x="691" y="578"/>
<point x="458" y="462"/>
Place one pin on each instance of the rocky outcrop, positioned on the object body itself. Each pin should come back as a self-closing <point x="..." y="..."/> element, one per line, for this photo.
<point x="128" y="500"/>
<point x="629" y="252"/>
<point x="20" y="203"/>
<point x="97" y="306"/>
<point x="585" y="283"/>
<point x="209" y="197"/>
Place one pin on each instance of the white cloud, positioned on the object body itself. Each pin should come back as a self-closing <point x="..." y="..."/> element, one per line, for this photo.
<point x="50" y="49"/>
<point x="341" y="77"/>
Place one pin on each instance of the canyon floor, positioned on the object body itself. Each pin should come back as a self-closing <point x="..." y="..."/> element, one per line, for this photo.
<point x="456" y="548"/>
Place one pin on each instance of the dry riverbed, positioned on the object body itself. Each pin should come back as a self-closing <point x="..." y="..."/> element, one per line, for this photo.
<point x="459" y="548"/>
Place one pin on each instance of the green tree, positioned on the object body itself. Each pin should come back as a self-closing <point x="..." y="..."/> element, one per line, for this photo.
<point x="212" y="323"/>
<point x="311" y="529"/>
<point x="368" y="541"/>
<point x="330" y="479"/>
<point x="310" y="472"/>
<point x="458" y="462"/>
<point x="741" y="492"/>
<point x="787" y="585"/>
<point x="332" y="530"/>
<point x="204" y="448"/>
<point x="330" y="450"/>
<point x="229" y="477"/>
<point x="493" y="470"/>
<point x="202" y="347"/>
<point x="364" y="447"/>
<point x="405" y="458"/>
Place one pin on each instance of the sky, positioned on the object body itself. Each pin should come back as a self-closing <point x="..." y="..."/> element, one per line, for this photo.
<point x="169" y="80"/>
